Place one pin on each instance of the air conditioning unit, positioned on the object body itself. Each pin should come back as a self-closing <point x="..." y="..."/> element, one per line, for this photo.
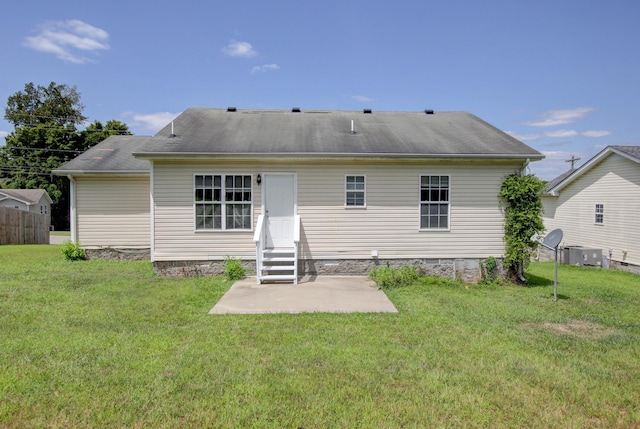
<point x="582" y="256"/>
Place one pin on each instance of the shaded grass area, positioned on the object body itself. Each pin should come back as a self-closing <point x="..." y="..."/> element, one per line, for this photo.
<point x="61" y="233"/>
<point x="108" y="344"/>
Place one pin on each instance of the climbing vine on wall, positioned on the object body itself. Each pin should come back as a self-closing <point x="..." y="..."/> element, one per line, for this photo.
<point x="522" y="207"/>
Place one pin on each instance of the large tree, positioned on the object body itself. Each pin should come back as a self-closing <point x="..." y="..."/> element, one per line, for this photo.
<point x="45" y="137"/>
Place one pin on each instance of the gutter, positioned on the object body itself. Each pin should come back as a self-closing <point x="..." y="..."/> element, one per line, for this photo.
<point x="143" y="173"/>
<point x="73" y="221"/>
<point x="328" y="156"/>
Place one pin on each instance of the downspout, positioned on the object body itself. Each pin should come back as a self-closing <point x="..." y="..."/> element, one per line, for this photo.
<point x="73" y="224"/>
<point x="525" y="167"/>
<point x="152" y="217"/>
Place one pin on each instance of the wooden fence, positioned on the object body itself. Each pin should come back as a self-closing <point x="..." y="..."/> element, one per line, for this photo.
<point x="21" y="227"/>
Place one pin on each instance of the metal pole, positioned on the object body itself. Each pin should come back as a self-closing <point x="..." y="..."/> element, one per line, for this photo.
<point x="555" y="279"/>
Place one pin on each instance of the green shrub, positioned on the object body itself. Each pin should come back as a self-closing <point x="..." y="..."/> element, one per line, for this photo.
<point x="388" y="277"/>
<point x="233" y="269"/>
<point x="489" y="270"/>
<point x="73" y="252"/>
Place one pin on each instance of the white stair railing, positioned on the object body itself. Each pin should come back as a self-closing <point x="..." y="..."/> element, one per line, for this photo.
<point x="258" y="238"/>
<point x="296" y="240"/>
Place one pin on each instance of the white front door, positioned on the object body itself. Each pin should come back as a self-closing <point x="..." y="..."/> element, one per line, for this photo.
<point x="279" y="208"/>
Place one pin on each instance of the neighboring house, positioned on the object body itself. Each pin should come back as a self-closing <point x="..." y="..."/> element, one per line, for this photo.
<point x="30" y="200"/>
<point x="301" y="192"/>
<point x="598" y="205"/>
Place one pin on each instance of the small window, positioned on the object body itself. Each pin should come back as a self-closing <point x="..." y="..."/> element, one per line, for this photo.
<point x="222" y="202"/>
<point x="434" y="202"/>
<point x="599" y="218"/>
<point x="355" y="191"/>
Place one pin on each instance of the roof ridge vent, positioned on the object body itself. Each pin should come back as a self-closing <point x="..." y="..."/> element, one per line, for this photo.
<point x="231" y="109"/>
<point x="429" y="112"/>
<point x="367" y="111"/>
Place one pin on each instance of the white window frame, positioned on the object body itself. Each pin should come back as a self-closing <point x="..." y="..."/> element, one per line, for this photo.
<point x="223" y="203"/>
<point x="362" y="191"/>
<point x="598" y="213"/>
<point x="440" y="203"/>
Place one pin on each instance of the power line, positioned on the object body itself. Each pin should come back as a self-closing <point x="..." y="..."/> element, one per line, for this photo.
<point x="42" y="149"/>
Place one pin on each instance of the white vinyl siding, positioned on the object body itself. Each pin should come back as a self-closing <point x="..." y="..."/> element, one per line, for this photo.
<point x="13" y="204"/>
<point x="614" y="183"/>
<point x="391" y="223"/>
<point x="113" y="212"/>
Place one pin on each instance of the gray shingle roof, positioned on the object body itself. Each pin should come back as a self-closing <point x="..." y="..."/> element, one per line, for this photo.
<point x="110" y="155"/>
<point x="254" y="132"/>
<point x="28" y="196"/>
<point x="633" y="151"/>
<point x="553" y="182"/>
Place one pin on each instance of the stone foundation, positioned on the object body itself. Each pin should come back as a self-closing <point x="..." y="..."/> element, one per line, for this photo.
<point x="197" y="268"/>
<point x="466" y="270"/>
<point x="623" y="266"/>
<point x="122" y="254"/>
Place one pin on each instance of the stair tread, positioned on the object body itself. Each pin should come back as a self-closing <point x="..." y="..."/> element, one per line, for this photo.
<point x="278" y="268"/>
<point x="278" y="277"/>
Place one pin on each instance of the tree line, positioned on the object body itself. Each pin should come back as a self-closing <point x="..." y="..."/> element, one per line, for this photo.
<point x="49" y="130"/>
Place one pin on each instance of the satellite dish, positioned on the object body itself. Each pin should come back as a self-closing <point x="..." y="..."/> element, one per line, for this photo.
<point x="553" y="239"/>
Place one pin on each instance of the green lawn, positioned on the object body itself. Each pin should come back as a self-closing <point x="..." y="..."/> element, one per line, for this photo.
<point x="61" y="233"/>
<point x="108" y="344"/>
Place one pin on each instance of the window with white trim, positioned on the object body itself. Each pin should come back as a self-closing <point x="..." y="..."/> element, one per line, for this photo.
<point x="599" y="214"/>
<point x="355" y="191"/>
<point x="222" y="202"/>
<point x="43" y="209"/>
<point x="434" y="202"/>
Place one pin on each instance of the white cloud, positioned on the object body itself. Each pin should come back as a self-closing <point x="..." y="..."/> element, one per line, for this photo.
<point x="524" y="137"/>
<point x="557" y="134"/>
<point x="362" y="98"/>
<point x="69" y="40"/>
<point x="561" y="133"/>
<point x="552" y="118"/>
<point x="150" y="121"/>
<point x="596" y="133"/>
<point x="239" y="49"/>
<point x="265" y="68"/>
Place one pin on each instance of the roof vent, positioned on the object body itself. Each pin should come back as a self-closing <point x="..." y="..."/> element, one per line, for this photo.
<point x="231" y="109"/>
<point x="295" y="109"/>
<point x="428" y="112"/>
<point x="366" y="111"/>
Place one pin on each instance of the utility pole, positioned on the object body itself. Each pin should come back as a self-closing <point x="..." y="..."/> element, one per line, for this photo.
<point x="573" y="161"/>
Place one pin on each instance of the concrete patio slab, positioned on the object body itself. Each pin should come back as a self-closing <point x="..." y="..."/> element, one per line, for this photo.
<point x="322" y="294"/>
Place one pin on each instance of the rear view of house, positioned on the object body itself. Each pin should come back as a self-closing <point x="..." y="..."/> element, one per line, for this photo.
<point x="308" y="192"/>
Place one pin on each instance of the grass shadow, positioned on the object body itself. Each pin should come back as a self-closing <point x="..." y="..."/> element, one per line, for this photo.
<point x="537" y="281"/>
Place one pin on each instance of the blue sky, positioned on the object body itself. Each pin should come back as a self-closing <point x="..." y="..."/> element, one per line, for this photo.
<point x="563" y="76"/>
